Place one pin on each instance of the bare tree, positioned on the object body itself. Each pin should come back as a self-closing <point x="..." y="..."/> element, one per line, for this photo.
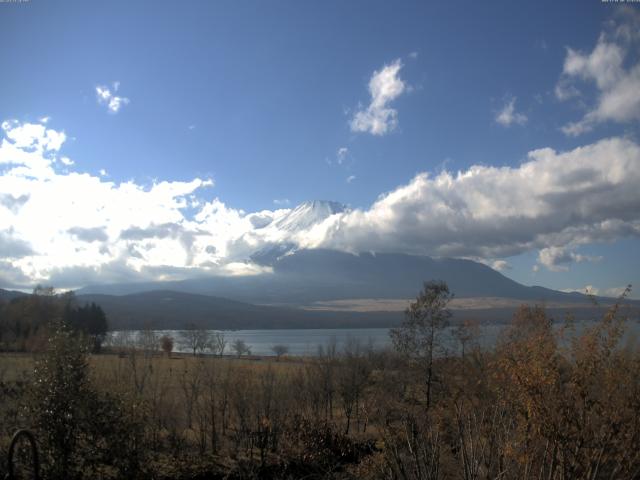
<point x="324" y="373"/>
<point x="240" y="347"/>
<point x="419" y="335"/>
<point x="217" y="343"/>
<point x="121" y="341"/>
<point x="279" y="351"/>
<point x="467" y="333"/>
<point x="191" y="384"/>
<point x="353" y="376"/>
<point x="166" y="343"/>
<point x="195" y="339"/>
<point x="148" y="340"/>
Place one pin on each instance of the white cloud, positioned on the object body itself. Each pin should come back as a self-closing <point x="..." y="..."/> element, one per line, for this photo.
<point x="500" y="265"/>
<point x="613" y="66"/>
<point x="281" y="202"/>
<point x="65" y="222"/>
<point x="342" y="154"/>
<point x="508" y="115"/>
<point x="33" y="137"/>
<point x="558" y="259"/>
<point x="553" y="200"/>
<point x="109" y="98"/>
<point x="72" y="228"/>
<point x="103" y="172"/>
<point x="587" y="290"/>
<point x="612" y="292"/>
<point x="351" y="178"/>
<point x="384" y="87"/>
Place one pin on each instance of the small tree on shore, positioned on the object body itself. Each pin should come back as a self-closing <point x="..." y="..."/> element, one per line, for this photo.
<point x="279" y="351"/>
<point x="217" y="343"/>
<point x="240" y="347"/>
<point x="166" y="343"/>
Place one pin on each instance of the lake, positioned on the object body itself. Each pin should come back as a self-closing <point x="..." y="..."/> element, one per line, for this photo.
<point x="305" y="342"/>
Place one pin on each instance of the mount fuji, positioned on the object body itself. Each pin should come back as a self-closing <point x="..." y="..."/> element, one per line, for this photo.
<point x="308" y="214"/>
<point x="306" y="285"/>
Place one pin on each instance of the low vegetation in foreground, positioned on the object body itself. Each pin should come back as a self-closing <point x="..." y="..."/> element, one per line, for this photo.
<point x="543" y="404"/>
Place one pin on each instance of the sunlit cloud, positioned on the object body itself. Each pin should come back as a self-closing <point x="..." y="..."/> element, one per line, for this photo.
<point x="613" y="66"/>
<point x="500" y="265"/>
<point x="582" y="196"/>
<point x="559" y="258"/>
<point x="508" y="116"/>
<point x="108" y="97"/>
<point x="378" y="118"/>
<point x="69" y="228"/>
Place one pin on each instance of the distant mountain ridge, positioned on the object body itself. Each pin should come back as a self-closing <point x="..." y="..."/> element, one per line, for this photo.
<point x="307" y="276"/>
<point x="8" y="295"/>
<point x="165" y="309"/>
<point x="172" y="310"/>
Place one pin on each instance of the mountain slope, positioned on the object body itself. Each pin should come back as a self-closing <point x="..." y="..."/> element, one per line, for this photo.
<point x="308" y="276"/>
<point x="163" y="309"/>
<point x="8" y="295"/>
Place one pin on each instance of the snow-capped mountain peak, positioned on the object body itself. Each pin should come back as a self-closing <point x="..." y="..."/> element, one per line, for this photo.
<point x="282" y="235"/>
<point x="308" y="214"/>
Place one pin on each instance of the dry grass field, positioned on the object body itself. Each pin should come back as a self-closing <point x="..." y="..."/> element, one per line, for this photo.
<point x="534" y="402"/>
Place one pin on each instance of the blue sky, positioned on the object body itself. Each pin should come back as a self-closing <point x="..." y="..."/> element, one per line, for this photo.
<point x="261" y="97"/>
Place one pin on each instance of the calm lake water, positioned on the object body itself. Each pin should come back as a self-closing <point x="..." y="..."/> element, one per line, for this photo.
<point x="306" y="341"/>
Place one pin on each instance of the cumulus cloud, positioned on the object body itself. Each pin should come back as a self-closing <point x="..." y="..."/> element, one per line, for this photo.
<point x="554" y="199"/>
<point x="13" y="203"/>
<point x="108" y="97"/>
<point x="69" y="220"/>
<point x="500" y="265"/>
<point x="96" y="234"/>
<point x="559" y="258"/>
<point x="508" y="116"/>
<point x="12" y="247"/>
<point x="351" y="178"/>
<point x="71" y="228"/>
<point x="385" y="86"/>
<point x="613" y="66"/>
<point x="33" y="137"/>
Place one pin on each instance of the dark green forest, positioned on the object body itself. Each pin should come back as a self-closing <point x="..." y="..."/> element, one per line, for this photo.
<point x="26" y="320"/>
